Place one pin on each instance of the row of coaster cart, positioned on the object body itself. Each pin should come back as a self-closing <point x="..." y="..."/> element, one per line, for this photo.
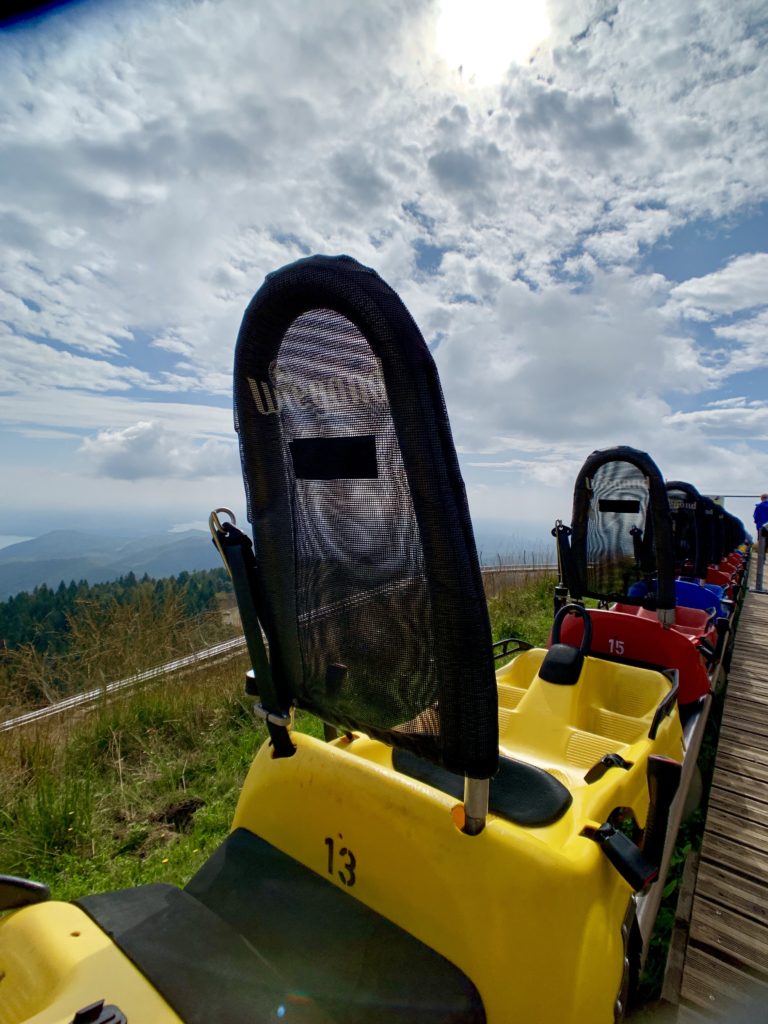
<point x="484" y="831"/>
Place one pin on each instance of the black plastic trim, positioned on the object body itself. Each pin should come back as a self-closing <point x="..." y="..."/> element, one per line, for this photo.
<point x="667" y="705"/>
<point x="522" y="793"/>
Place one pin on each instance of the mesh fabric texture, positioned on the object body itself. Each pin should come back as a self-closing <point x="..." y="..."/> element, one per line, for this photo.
<point x="368" y="581"/>
<point x="622" y="530"/>
<point x="714" y="530"/>
<point x="688" y="528"/>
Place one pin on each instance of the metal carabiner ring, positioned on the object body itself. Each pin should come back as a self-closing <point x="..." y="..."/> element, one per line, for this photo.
<point x="214" y="525"/>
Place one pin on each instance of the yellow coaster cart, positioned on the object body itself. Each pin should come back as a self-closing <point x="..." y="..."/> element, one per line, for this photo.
<point x="467" y="846"/>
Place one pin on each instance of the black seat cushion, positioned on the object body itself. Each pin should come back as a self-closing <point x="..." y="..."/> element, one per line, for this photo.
<point x="520" y="792"/>
<point x="255" y="930"/>
<point x="202" y="968"/>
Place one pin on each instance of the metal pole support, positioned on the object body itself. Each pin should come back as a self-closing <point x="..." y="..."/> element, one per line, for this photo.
<point x="476" y="792"/>
<point x="760" y="561"/>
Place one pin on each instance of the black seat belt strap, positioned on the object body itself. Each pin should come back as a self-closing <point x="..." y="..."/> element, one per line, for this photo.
<point x="237" y="554"/>
<point x="565" y="560"/>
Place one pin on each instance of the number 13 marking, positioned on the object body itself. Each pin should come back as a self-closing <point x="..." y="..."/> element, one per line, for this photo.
<point x="346" y="874"/>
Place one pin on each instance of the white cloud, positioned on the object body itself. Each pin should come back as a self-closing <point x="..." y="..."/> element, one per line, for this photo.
<point x="159" y="159"/>
<point x="30" y="365"/>
<point x="149" y="449"/>
<point x="559" y="366"/>
<point x="738" y="418"/>
<point x="741" y="285"/>
<point x="73" y="409"/>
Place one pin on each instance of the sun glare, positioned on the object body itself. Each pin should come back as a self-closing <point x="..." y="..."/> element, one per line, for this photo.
<point x="483" y="37"/>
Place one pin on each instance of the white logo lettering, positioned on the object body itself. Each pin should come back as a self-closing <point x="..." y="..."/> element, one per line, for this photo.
<point x="263" y="396"/>
<point x="270" y="397"/>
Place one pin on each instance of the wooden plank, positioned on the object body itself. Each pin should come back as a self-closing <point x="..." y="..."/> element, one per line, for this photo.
<point x="739" y="938"/>
<point x="754" y="789"/>
<point x="747" y="676"/>
<point x="741" y="735"/>
<point x="752" y="614"/>
<point x="747" y="661"/>
<point x="741" y="766"/>
<point x="748" y="636"/>
<point x="733" y="891"/>
<point x="747" y="715"/>
<point x="747" y="649"/>
<point x="751" y="716"/>
<point x="734" y="748"/>
<point x="686" y="1015"/>
<point x="729" y="854"/>
<point x="730" y="907"/>
<point x="678" y="943"/>
<point x="737" y="703"/>
<point x="749" y="691"/>
<point x="745" y="670"/>
<point x="746" y="664"/>
<point x="748" y="833"/>
<point x="718" y="986"/>
<point x="744" y="736"/>
<point x="752" y="811"/>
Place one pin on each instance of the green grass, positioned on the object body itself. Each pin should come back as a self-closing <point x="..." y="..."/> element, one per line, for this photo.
<point x="525" y="611"/>
<point x="141" y="790"/>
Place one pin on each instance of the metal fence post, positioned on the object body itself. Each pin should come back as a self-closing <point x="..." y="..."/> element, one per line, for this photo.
<point x="760" y="561"/>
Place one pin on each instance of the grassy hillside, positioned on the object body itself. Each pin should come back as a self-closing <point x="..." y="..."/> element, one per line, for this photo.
<point x="138" y="791"/>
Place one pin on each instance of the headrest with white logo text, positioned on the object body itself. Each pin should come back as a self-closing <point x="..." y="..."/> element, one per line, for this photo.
<point x="621" y="545"/>
<point x="369" y="586"/>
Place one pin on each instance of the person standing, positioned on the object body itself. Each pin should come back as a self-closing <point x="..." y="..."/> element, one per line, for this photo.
<point x="761" y="514"/>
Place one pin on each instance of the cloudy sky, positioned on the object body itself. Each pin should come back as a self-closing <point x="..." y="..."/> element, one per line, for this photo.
<point x="571" y="198"/>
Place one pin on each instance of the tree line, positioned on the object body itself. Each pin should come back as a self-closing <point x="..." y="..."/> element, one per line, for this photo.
<point x="43" y="617"/>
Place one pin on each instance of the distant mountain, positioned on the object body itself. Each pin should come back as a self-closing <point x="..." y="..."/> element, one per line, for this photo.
<point x="63" y="544"/>
<point x="76" y="555"/>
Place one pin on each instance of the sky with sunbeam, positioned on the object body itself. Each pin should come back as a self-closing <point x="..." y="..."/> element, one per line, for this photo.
<point x="571" y="197"/>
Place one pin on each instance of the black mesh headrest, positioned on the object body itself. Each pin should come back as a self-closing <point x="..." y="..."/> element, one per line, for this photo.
<point x="690" y="529"/>
<point x="369" y="586"/>
<point x="622" y="530"/>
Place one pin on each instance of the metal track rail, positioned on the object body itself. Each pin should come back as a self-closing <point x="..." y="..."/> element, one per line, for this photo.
<point x="80" y="701"/>
<point x="85" y="700"/>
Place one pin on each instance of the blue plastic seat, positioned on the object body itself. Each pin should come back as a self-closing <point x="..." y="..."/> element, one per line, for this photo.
<point x="688" y="594"/>
<point x="694" y="595"/>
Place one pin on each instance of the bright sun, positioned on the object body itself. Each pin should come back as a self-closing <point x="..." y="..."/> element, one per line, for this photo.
<point x="484" y="37"/>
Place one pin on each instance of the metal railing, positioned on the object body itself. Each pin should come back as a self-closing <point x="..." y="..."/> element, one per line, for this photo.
<point x="99" y="693"/>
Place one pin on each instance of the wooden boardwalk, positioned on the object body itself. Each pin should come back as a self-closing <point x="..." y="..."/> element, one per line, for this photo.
<point x="725" y="971"/>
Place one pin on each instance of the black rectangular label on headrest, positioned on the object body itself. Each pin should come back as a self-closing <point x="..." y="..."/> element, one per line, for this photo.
<point x="335" y="458"/>
<point x="618" y="505"/>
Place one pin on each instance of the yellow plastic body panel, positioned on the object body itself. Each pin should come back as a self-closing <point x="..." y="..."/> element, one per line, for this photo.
<point x="532" y="915"/>
<point x="54" y="961"/>
<point x="567" y="729"/>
